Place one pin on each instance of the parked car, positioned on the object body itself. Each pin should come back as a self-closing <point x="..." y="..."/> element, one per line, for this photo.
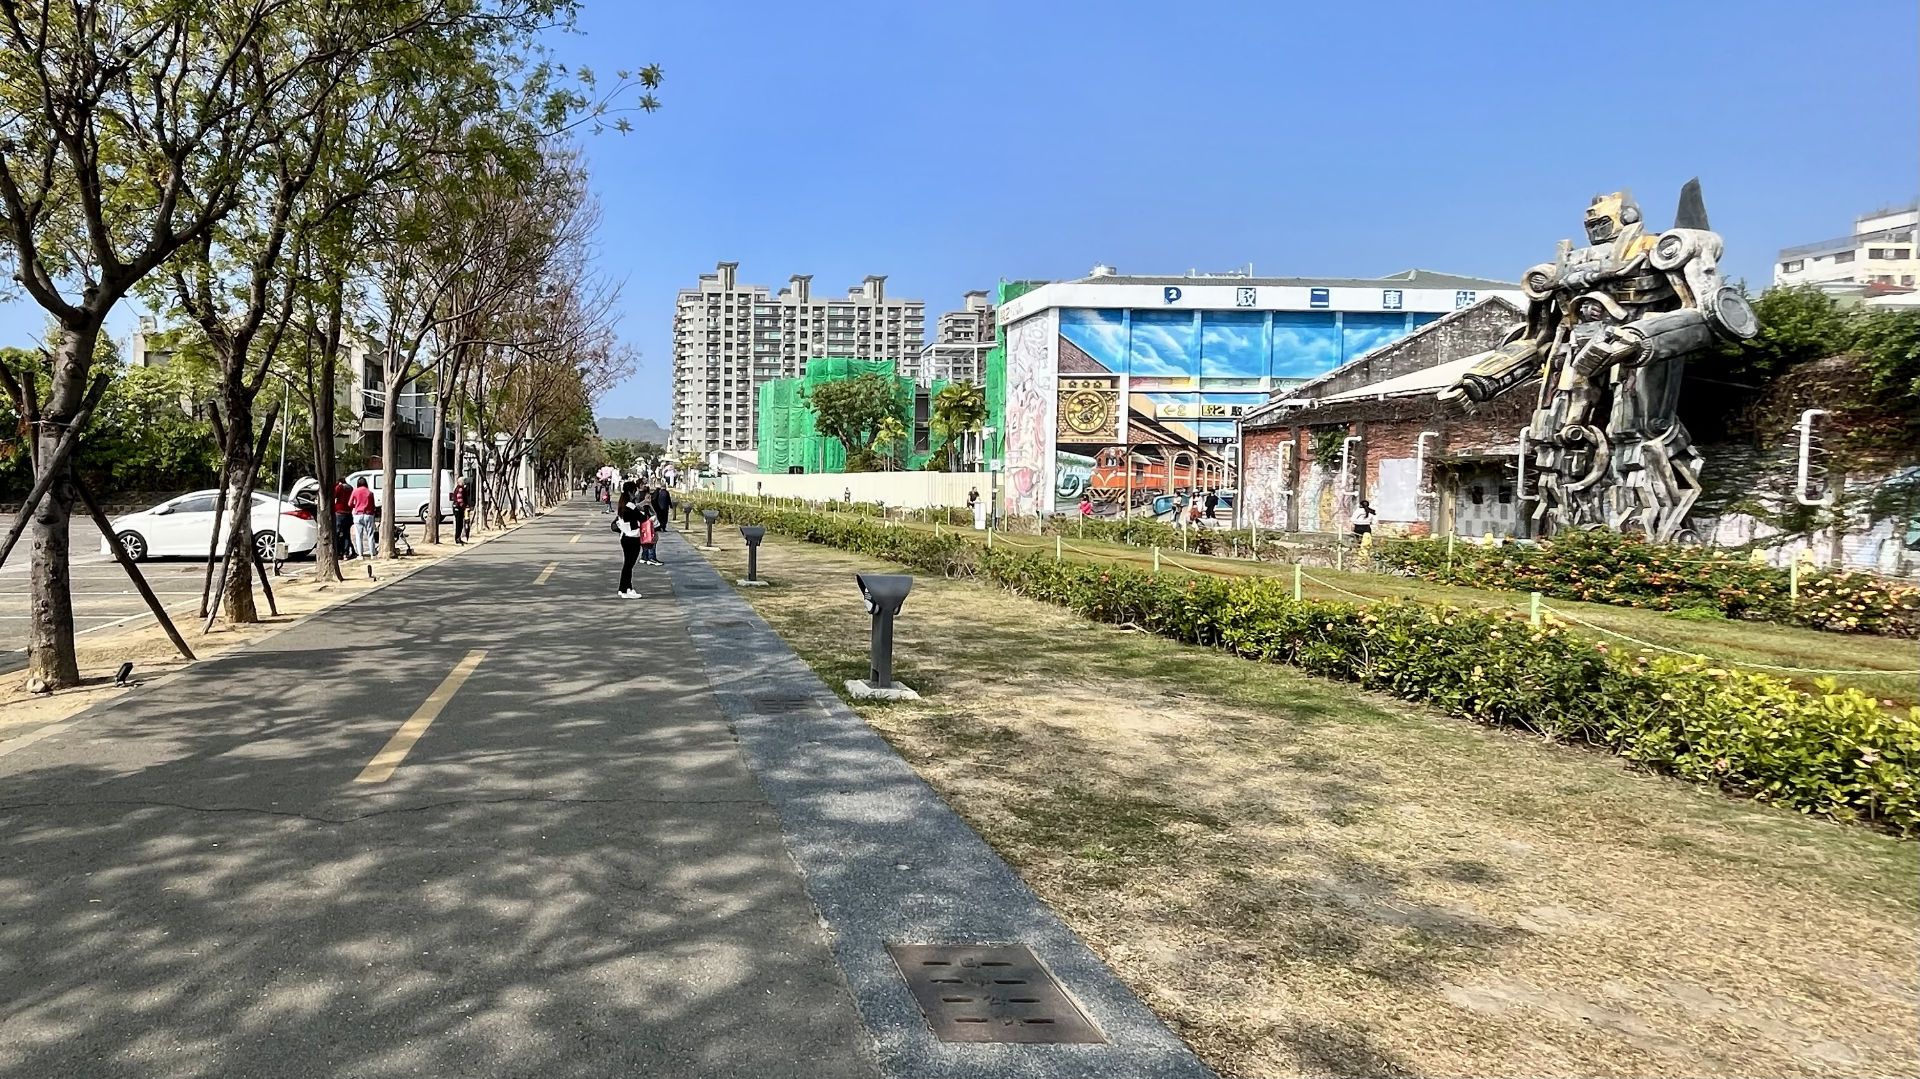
<point x="412" y="485"/>
<point x="183" y="526"/>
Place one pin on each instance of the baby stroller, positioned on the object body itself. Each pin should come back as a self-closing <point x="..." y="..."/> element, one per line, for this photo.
<point x="401" y="545"/>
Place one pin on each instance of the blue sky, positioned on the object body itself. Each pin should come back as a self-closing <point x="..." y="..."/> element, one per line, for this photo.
<point x="951" y="145"/>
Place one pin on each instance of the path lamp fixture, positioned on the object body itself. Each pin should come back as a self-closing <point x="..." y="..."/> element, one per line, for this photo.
<point x="686" y="518"/>
<point x="884" y="594"/>
<point x="710" y="516"/>
<point x="753" y="534"/>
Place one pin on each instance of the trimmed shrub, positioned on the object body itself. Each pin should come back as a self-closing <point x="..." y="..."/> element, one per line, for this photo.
<point x="1834" y="752"/>
<point x="1608" y="567"/>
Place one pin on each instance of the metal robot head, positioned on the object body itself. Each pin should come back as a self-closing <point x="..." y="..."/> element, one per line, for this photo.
<point x="1609" y="215"/>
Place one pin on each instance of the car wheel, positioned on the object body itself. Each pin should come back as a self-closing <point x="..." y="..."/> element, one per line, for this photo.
<point x="264" y="544"/>
<point x="134" y="544"/>
<point x="423" y="515"/>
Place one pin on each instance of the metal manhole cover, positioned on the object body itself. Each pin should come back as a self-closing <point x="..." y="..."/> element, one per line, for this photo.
<point x="776" y="705"/>
<point x="991" y="993"/>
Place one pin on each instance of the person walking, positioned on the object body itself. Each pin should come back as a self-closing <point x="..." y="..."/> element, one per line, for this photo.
<point x="1213" y="501"/>
<point x="662" y="506"/>
<point x="649" y="535"/>
<point x="459" y="500"/>
<point x="1086" y="505"/>
<point x="360" y="502"/>
<point x="627" y="522"/>
<point x="1363" y="518"/>
<point x="342" y="520"/>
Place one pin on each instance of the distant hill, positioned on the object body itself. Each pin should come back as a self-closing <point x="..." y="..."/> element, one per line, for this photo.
<point x="637" y="428"/>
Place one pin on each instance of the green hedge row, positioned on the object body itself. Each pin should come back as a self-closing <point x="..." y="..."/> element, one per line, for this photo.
<point x="1608" y="567"/>
<point x="1835" y="752"/>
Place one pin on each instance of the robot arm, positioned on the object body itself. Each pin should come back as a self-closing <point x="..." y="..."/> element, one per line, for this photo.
<point x="1494" y="373"/>
<point x="1691" y="260"/>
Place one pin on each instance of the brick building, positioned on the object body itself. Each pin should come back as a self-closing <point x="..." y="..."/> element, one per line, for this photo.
<point x="1373" y="428"/>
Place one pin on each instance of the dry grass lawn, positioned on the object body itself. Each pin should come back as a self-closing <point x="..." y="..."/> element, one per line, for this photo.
<point x="1305" y="879"/>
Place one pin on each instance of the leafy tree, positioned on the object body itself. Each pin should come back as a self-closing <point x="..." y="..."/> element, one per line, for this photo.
<point x="1888" y="340"/>
<point x="890" y="441"/>
<point x="851" y="410"/>
<point x="959" y="408"/>
<point x="1798" y="324"/>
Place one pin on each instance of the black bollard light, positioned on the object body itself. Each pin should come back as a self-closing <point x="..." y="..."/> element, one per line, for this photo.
<point x="711" y="516"/>
<point x="753" y="534"/>
<point x="884" y="594"/>
<point x="686" y="518"/>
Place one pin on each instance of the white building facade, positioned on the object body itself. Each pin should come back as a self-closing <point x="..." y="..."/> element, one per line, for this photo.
<point x="1881" y="250"/>
<point x="729" y="338"/>
<point x="960" y="343"/>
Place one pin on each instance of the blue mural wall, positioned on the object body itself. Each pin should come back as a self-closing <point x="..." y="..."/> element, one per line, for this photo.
<point x="1189" y="376"/>
<point x="1230" y="349"/>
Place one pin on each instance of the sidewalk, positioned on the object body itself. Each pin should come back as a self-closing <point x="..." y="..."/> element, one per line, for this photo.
<point x="885" y="860"/>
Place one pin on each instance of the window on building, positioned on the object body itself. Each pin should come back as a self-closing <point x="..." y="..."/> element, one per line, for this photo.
<point x="1843" y="256"/>
<point x="1793" y="266"/>
<point x="1899" y="252"/>
<point x="1906" y="279"/>
<point x="1877" y="253"/>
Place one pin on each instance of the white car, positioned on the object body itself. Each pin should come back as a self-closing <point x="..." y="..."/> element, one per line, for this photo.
<point x="411" y="483"/>
<point x="183" y="526"/>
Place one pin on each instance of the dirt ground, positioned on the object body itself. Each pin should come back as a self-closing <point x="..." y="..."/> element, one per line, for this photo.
<point x="153" y="655"/>
<point x="1304" y="879"/>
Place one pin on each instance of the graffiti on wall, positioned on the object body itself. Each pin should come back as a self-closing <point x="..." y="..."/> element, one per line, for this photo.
<point x="1030" y="416"/>
<point x="1263" y="490"/>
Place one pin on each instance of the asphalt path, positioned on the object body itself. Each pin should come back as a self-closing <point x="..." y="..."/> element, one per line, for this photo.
<point x="486" y="821"/>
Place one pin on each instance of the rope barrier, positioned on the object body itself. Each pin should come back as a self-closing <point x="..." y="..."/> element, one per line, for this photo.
<point x="1558" y="613"/>
<point x="1001" y="537"/>
<point x="1337" y="588"/>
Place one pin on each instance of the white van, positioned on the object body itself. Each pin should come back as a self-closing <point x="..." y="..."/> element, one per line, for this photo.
<point x="410" y="482"/>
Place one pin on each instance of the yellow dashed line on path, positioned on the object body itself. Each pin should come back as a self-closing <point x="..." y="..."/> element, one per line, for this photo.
<point x="575" y="539"/>
<point x="545" y="573"/>
<point x="380" y="768"/>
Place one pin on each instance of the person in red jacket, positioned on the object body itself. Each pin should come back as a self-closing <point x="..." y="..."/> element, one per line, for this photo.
<point x="342" y="520"/>
<point x="361" y="503"/>
<point x="460" y="511"/>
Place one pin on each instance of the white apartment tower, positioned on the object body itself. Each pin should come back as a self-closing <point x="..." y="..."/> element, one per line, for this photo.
<point x="960" y="344"/>
<point x="728" y="338"/>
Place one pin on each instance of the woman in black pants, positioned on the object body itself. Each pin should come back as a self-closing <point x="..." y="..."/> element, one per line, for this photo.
<point x="627" y="522"/>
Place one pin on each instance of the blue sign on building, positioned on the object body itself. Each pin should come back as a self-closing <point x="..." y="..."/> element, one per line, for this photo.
<point x="1390" y="299"/>
<point x="1320" y="297"/>
<point x="1170" y="294"/>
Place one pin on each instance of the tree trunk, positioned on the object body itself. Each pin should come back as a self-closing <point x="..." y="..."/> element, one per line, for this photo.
<point x="389" y="438"/>
<point x="236" y="601"/>
<point x="326" y="468"/>
<point x="50" y="654"/>
<point x="430" y="532"/>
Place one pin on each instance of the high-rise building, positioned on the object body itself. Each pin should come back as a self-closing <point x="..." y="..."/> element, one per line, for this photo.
<point x="728" y="338"/>
<point x="960" y="343"/>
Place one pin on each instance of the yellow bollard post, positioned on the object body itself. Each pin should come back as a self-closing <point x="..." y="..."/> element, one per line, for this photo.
<point x="1156" y="558"/>
<point x="989" y="537"/>
<point x="1056" y="548"/>
<point x="1449" y="555"/>
<point x="1533" y="609"/>
<point x="1793" y="583"/>
<point x="1340" y="557"/>
<point x="1296" y="582"/>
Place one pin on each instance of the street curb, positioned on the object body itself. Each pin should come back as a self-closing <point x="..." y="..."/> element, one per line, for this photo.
<point x="885" y="860"/>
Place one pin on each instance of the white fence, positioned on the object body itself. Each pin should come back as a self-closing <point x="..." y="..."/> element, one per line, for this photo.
<point x="908" y="490"/>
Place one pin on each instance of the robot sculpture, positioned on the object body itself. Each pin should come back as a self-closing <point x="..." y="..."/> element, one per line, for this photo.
<point x="1609" y="327"/>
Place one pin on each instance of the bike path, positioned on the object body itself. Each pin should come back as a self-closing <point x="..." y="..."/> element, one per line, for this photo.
<point x="568" y="871"/>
